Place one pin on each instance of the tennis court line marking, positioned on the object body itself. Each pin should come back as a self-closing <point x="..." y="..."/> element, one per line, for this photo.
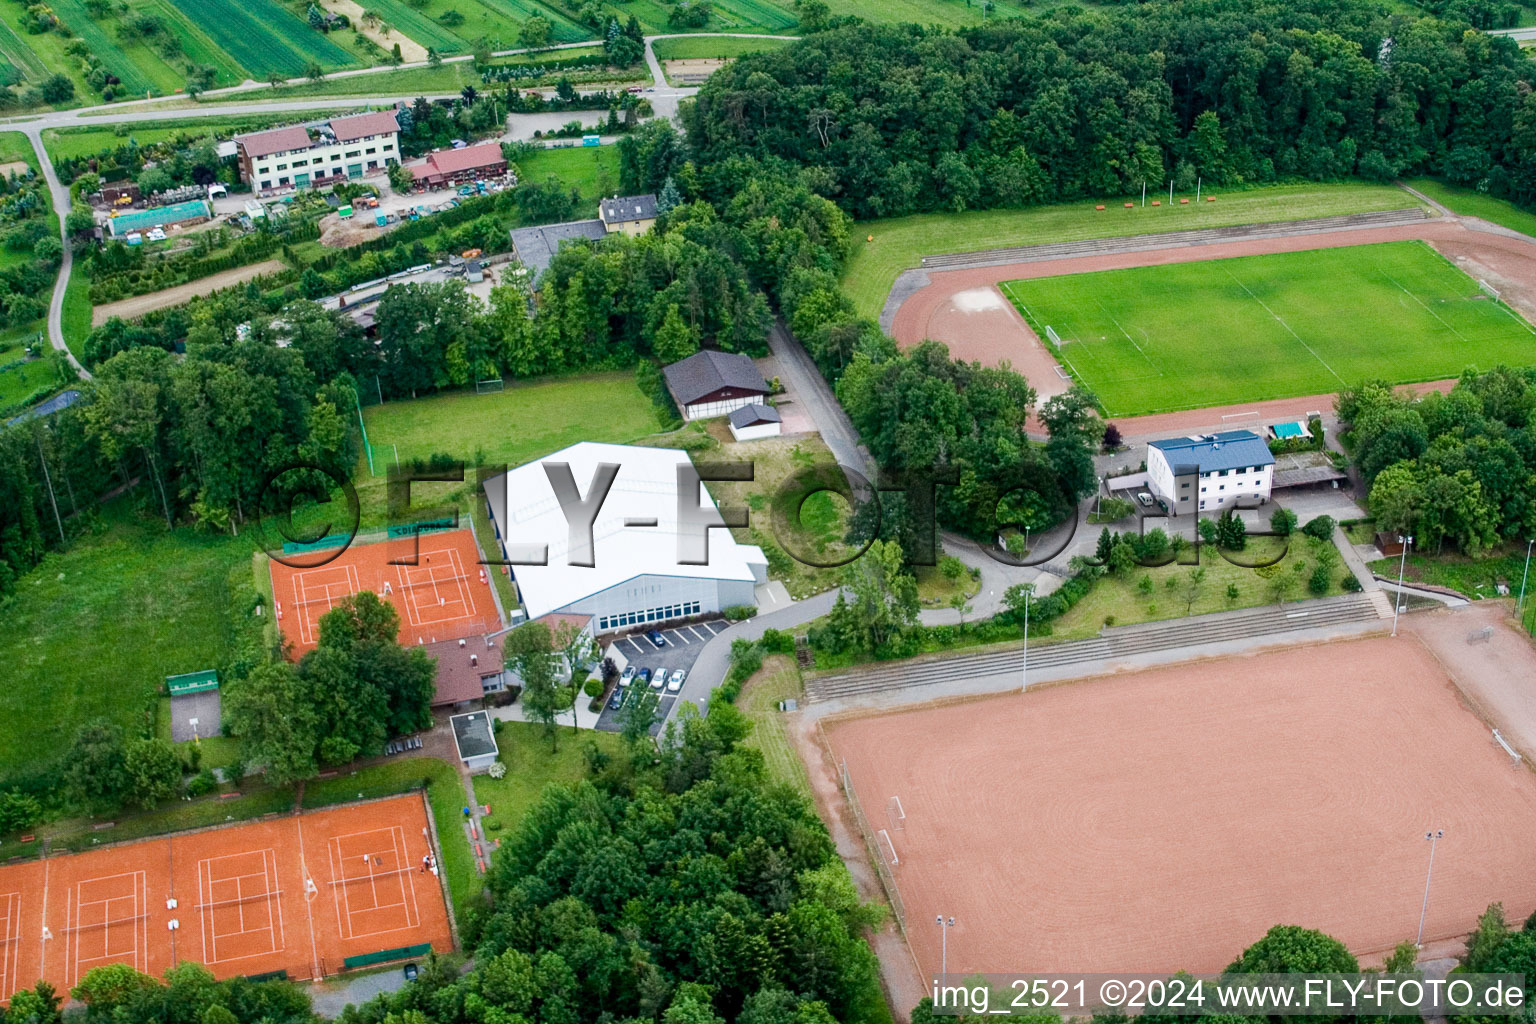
<point x="75" y="902"/>
<point x="10" y="940"/>
<point x="308" y="623"/>
<point x="270" y="892"/>
<point x="1281" y="320"/>
<point x="398" y="851"/>
<point x="409" y="588"/>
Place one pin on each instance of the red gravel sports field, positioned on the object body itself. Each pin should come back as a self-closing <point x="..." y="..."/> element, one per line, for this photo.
<point x="297" y="893"/>
<point x="441" y="591"/>
<point x="1164" y="820"/>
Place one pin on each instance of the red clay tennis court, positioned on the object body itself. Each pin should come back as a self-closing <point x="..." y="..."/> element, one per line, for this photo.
<point x="1163" y="820"/>
<point x="294" y="894"/>
<point x="441" y="590"/>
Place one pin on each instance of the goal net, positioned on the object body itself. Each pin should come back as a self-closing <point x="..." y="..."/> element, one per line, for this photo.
<point x="1488" y="289"/>
<point x="485" y="387"/>
<point x="1050" y="332"/>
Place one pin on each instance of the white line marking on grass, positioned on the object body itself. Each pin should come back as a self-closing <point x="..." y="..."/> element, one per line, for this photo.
<point x="1281" y="320"/>
<point x="1422" y="303"/>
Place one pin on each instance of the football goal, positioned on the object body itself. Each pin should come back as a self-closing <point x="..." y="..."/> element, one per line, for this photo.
<point x="485" y="387"/>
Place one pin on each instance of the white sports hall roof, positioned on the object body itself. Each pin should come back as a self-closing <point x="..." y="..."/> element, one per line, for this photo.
<point x="528" y="513"/>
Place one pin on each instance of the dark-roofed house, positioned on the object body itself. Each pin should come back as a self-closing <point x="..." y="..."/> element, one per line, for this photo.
<point x="536" y="247"/>
<point x="319" y="153"/>
<point x="633" y="215"/>
<point x="751" y="422"/>
<point x="467" y="669"/>
<point x="1207" y="472"/>
<point x="475" y="738"/>
<point x="453" y="166"/>
<point x="711" y="383"/>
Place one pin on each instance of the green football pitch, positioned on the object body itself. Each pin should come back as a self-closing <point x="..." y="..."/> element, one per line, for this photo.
<point x="1220" y="332"/>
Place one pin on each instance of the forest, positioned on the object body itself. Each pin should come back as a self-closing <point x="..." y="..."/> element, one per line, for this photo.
<point x="1079" y="103"/>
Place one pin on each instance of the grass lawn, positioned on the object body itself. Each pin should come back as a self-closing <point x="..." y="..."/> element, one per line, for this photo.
<point x="531" y="766"/>
<point x="446" y="78"/>
<point x="591" y="170"/>
<point x="88" y="141"/>
<point x="510" y="427"/>
<point x="698" y="47"/>
<point x="1155" y="339"/>
<point x="77" y="311"/>
<point x="935" y="590"/>
<point x="95" y="630"/>
<point x="1123" y="599"/>
<point x="817" y="534"/>
<point x="1474" y="577"/>
<point x="777" y="680"/>
<point x="1472" y="203"/>
<point x="445" y="795"/>
<point x="901" y="242"/>
<point x="22" y="382"/>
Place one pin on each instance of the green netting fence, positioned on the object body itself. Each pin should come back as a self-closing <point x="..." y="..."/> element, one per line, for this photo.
<point x="384" y="956"/>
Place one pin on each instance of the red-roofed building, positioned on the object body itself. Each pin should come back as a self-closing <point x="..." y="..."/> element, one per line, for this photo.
<point x="454" y="166"/>
<point x="320" y="153"/>
<point x="466" y="669"/>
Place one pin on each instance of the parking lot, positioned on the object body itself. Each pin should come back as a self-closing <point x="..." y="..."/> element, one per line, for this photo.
<point x="683" y="644"/>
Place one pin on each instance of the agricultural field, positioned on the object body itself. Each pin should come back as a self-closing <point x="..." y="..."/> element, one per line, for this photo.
<point x="265" y="37"/>
<point x="199" y="49"/>
<point x="705" y="47"/>
<point x="1215" y="332"/>
<point x="419" y="27"/>
<point x="902" y="242"/>
<point x="142" y="72"/>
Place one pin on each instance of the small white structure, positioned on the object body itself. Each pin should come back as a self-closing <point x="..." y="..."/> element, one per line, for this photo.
<point x="216" y="190"/>
<point x="475" y="739"/>
<point x="633" y="573"/>
<point x="1209" y="472"/>
<point x="755" y="421"/>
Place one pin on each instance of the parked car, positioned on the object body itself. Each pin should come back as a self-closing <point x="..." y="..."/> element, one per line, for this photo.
<point x="643" y="676"/>
<point x="655" y="637"/>
<point x="617" y="700"/>
<point x="410" y="972"/>
<point x="627" y="675"/>
<point x="1144" y="498"/>
<point x="676" y="682"/>
<point x="659" y="679"/>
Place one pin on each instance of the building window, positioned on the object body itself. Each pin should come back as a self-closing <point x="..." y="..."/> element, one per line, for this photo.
<point x="282" y="167"/>
<point x="372" y="150"/>
<point x="354" y="152"/>
<point x="282" y="181"/>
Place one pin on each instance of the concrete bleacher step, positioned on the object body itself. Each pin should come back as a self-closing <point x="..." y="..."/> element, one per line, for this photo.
<point x="1117" y="642"/>
<point x="1382" y="602"/>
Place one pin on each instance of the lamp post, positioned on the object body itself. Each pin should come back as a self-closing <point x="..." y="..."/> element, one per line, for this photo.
<point x="1402" y="565"/>
<point x="944" y="927"/>
<point x="1433" y="838"/>
<point x="1029" y="589"/>
<point x="1520" y="607"/>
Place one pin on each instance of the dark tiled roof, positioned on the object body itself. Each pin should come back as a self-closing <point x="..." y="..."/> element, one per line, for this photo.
<point x="754" y="413"/>
<point x="358" y="126"/>
<point x="536" y="246"/>
<point x="458" y="677"/>
<point x="472" y="734"/>
<point x="708" y="371"/>
<point x="625" y="208"/>
<point x="1232" y="449"/>
<point x="278" y="140"/>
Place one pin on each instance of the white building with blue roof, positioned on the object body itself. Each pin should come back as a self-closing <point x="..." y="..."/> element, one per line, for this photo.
<point x="1209" y="472"/>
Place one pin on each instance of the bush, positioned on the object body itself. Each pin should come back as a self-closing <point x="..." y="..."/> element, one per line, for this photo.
<point x="593" y="688"/>
<point x="1282" y="521"/>
<point x="1320" y="528"/>
<point x="1350" y="584"/>
<point x="1318" y="581"/>
<point x="497" y="770"/>
<point x="738" y="612"/>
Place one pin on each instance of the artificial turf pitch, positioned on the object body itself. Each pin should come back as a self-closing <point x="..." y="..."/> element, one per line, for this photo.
<point x="1219" y="332"/>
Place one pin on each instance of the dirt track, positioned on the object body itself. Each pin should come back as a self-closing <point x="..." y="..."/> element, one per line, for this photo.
<point x="964" y="309"/>
<point x="1165" y="819"/>
<point x="130" y="309"/>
